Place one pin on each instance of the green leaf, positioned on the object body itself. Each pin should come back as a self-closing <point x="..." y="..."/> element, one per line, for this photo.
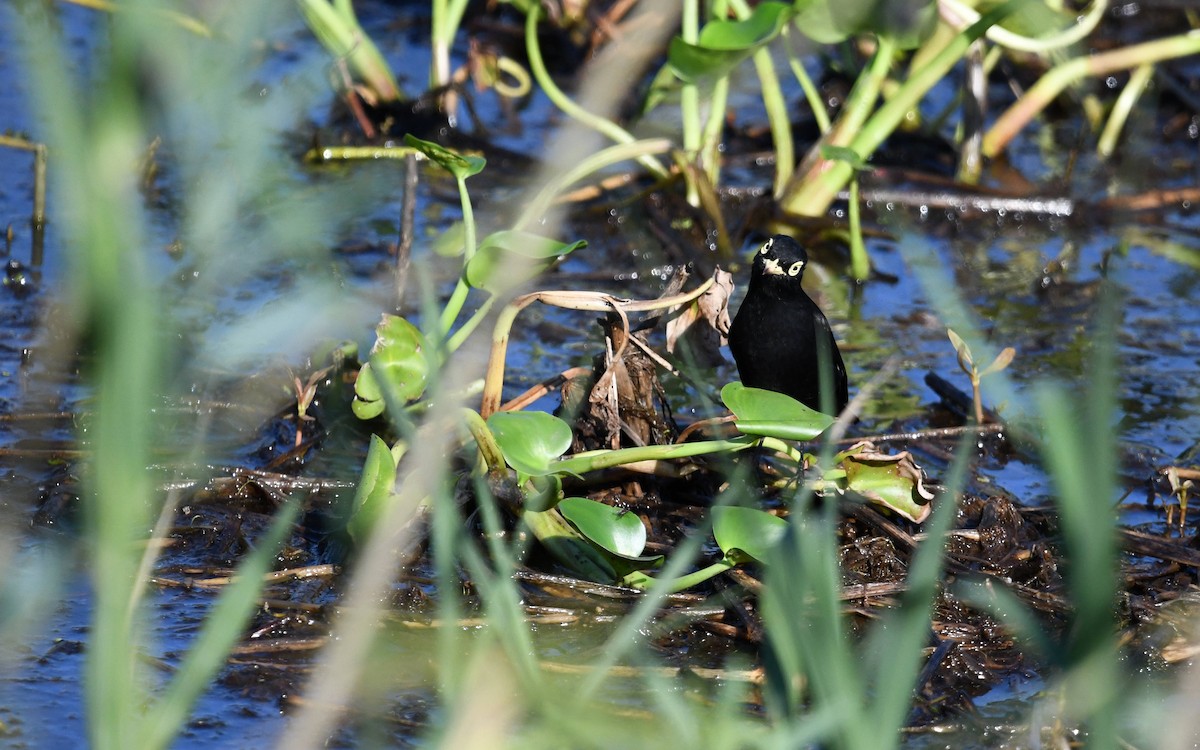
<point x="617" y="531"/>
<point x="453" y="162"/>
<point x="723" y="45"/>
<point x="770" y="414"/>
<point x="750" y="531"/>
<point x="400" y="357"/>
<point x="961" y="348"/>
<point x="906" y="22"/>
<point x="374" y="490"/>
<point x="511" y="257"/>
<point x="832" y="22"/>
<point x="893" y="481"/>
<point x="530" y="440"/>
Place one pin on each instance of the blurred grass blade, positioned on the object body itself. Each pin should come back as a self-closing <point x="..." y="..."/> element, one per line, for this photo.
<point x="222" y="628"/>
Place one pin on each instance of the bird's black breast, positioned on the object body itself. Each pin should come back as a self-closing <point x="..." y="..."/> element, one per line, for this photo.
<point x="779" y="339"/>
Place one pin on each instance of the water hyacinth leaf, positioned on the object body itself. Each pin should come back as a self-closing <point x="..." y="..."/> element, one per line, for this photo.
<point x="723" y="45"/>
<point x="617" y="531"/>
<point x="748" y="531"/>
<point x="511" y="257"/>
<point x="530" y="440"/>
<point x="891" y="480"/>
<point x="769" y="414"/>
<point x="459" y="165"/>
<point x="399" y="356"/>
<point x="374" y="490"/>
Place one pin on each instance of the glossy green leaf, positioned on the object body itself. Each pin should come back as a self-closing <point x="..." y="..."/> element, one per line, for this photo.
<point x="893" y="481"/>
<point x="374" y="490"/>
<point x="723" y="45"/>
<point x="530" y="440"/>
<point x="618" y="531"/>
<point x="770" y="414"/>
<point x="509" y="258"/>
<point x="400" y="357"/>
<point x="453" y="162"/>
<point x="748" y="531"/>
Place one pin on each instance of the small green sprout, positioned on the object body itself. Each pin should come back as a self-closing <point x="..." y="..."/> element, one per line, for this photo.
<point x="967" y="363"/>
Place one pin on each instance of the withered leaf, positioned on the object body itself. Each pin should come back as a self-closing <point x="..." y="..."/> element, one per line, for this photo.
<point x="705" y="322"/>
<point x="891" y="480"/>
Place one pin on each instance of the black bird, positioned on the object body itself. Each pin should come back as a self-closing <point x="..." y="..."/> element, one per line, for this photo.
<point x="780" y="339"/>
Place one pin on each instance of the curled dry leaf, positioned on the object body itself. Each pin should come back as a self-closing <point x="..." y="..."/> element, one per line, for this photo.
<point x="705" y="322"/>
<point x="891" y="480"/>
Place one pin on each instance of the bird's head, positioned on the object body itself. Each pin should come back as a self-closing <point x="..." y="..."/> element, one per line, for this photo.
<point x="780" y="260"/>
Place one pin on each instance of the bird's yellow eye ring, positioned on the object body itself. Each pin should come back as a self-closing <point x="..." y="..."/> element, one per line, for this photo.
<point x="795" y="268"/>
<point x="766" y="248"/>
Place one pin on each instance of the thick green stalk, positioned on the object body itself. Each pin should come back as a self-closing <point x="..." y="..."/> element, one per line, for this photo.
<point x="813" y="195"/>
<point x="689" y="100"/>
<point x="338" y="30"/>
<point x="811" y="95"/>
<point x="776" y="105"/>
<point x="640" y="580"/>
<point x="581" y="463"/>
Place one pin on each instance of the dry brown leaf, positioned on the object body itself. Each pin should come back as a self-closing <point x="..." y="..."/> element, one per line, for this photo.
<point x="704" y="322"/>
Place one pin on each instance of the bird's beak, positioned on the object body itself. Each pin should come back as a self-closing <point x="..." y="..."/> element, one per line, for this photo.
<point x="771" y="267"/>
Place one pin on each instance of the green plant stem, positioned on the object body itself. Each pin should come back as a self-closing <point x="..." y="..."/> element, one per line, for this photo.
<point x="461" y="289"/>
<point x="446" y="18"/>
<point x="778" y="118"/>
<point x="360" y="153"/>
<point x="813" y="195"/>
<point x="605" y="127"/>
<point x="859" y="105"/>
<point x="689" y="99"/>
<point x="581" y="463"/>
<point x="640" y="580"/>
<point x="492" y="455"/>
<point x="709" y="157"/>
<point x="860" y="264"/>
<point x="861" y="101"/>
<point x="714" y="131"/>
<point x="776" y="106"/>
<point x="337" y="28"/>
<point x="815" y="103"/>
<point x="1055" y="81"/>
<point x="467" y="328"/>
